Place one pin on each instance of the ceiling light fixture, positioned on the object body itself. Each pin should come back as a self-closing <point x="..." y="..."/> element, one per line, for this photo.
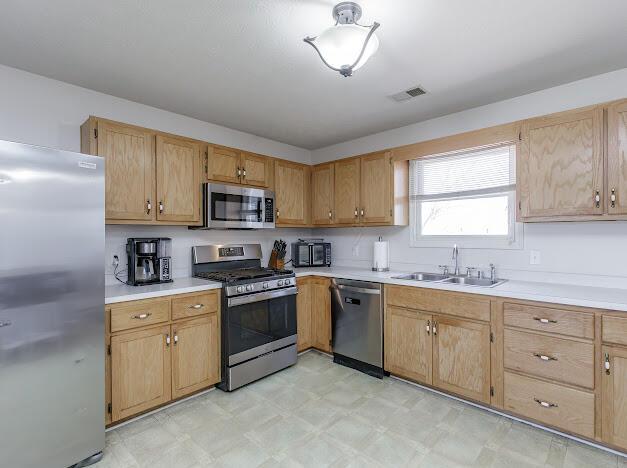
<point x="347" y="45"/>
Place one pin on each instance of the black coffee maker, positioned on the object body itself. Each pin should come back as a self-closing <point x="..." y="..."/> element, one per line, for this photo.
<point x="149" y="260"/>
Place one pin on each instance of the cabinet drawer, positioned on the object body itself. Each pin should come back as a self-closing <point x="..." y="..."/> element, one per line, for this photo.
<point x="614" y="330"/>
<point x="193" y="305"/>
<point x="139" y="314"/>
<point x="553" y="404"/>
<point x="430" y="300"/>
<point x="560" y="359"/>
<point x="562" y="321"/>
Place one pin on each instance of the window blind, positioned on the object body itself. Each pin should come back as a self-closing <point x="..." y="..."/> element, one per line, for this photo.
<point x="467" y="174"/>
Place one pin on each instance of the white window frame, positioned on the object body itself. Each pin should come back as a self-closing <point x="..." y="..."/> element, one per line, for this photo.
<point x="512" y="241"/>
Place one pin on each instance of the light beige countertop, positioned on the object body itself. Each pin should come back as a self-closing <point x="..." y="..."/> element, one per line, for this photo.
<point x="585" y="296"/>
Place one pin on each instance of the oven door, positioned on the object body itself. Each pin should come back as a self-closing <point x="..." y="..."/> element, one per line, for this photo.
<point x="231" y="206"/>
<point x="260" y="323"/>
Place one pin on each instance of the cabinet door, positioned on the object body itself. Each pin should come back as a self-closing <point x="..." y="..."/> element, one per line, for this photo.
<point x="195" y="355"/>
<point x="129" y="171"/>
<point x="321" y="313"/>
<point x="461" y="357"/>
<point x="303" y="314"/>
<point x="561" y="165"/>
<point x="617" y="158"/>
<point x="140" y="371"/>
<point x="614" y="396"/>
<point x="408" y="343"/>
<point x="322" y="185"/>
<point x="346" y="198"/>
<point x="256" y="170"/>
<point x="223" y="165"/>
<point x="292" y="182"/>
<point x="376" y="189"/>
<point x="178" y="180"/>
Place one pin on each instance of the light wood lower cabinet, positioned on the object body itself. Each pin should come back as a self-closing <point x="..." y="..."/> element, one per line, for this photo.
<point x="303" y="314"/>
<point x="461" y="357"/>
<point x="195" y="363"/>
<point x="614" y="395"/>
<point x="313" y="308"/>
<point x="140" y="371"/>
<point x="408" y="344"/>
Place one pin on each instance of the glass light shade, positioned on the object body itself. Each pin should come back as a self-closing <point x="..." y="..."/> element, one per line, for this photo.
<point x="340" y="45"/>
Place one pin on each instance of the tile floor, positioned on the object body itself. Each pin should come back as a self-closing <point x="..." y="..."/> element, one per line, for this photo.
<point x="319" y="414"/>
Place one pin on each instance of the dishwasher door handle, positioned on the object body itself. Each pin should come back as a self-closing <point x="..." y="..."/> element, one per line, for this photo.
<point x="376" y="292"/>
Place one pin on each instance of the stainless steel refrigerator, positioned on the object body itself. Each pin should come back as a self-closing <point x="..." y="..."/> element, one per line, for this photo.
<point x="51" y="307"/>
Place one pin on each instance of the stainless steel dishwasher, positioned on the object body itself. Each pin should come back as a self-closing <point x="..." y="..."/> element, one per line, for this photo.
<point x="357" y="317"/>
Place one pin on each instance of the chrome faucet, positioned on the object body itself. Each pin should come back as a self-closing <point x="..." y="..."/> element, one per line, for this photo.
<point x="455" y="259"/>
<point x="492" y="272"/>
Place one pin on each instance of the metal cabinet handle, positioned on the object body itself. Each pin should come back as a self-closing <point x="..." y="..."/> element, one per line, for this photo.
<point x="544" y="320"/>
<point x="613" y="198"/>
<point x="278" y="212"/>
<point x="142" y="316"/>
<point x="176" y="339"/>
<point x="197" y="306"/>
<point x="544" y="357"/>
<point x="545" y="404"/>
<point x="361" y="213"/>
<point x="597" y="199"/>
<point x="244" y="172"/>
<point x="161" y="206"/>
<point x="428" y="327"/>
<point x="148" y="206"/>
<point x="330" y="214"/>
<point x="435" y="328"/>
<point x="356" y="212"/>
<point x="167" y="340"/>
<point x="239" y="172"/>
<point x="607" y="363"/>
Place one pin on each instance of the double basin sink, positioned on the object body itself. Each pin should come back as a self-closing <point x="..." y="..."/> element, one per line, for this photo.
<point x="450" y="279"/>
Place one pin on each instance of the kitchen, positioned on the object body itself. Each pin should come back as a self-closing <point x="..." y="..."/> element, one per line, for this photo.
<point x="417" y="268"/>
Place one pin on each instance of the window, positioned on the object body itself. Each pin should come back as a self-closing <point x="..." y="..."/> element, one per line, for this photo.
<point x="466" y="198"/>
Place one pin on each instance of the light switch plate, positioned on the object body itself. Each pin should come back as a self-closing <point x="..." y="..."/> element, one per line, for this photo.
<point x="534" y="257"/>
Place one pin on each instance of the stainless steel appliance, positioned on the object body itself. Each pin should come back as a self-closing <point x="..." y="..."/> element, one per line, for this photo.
<point x="149" y="260"/>
<point x="311" y="252"/>
<point x="258" y="311"/>
<point x="51" y="307"/>
<point x="236" y="207"/>
<point x="357" y="318"/>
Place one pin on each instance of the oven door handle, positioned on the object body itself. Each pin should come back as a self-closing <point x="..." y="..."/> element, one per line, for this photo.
<point x="262" y="296"/>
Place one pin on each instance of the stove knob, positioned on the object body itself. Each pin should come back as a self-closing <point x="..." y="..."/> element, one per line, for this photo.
<point x="279" y="283"/>
<point x="240" y="289"/>
<point x="249" y="287"/>
<point x="287" y="282"/>
<point x="265" y="285"/>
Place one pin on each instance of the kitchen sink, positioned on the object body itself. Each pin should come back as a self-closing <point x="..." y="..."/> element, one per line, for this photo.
<point x="420" y="276"/>
<point x="461" y="280"/>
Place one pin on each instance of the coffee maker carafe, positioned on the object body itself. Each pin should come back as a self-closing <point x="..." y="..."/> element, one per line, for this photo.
<point x="148" y="260"/>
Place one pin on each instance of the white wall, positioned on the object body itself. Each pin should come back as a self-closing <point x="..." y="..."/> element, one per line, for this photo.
<point x="46" y="112"/>
<point x="600" y="88"/>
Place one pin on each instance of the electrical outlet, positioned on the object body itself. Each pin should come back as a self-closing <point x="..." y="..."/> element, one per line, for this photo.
<point x="116" y="261"/>
<point x="534" y="257"/>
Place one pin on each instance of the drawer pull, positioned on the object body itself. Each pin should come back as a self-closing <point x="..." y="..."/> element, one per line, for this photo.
<point x="167" y="340"/>
<point x="176" y="339"/>
<point x="544" y="357"/>
<point x="142" y="316"/>
<point x="545" y="404"/>
<point x="428" y="327"/>
<point x="435" y="328"/>
<point x="197" y="306"/>
<point x="544" y="320"/>
<point x="607" y="363"/>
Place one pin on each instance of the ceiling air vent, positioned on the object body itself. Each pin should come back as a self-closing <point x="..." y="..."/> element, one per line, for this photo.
<point x="408" y="94"/>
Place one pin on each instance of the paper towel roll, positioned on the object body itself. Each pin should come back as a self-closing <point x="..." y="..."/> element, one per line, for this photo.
<point x="381" y="254"/>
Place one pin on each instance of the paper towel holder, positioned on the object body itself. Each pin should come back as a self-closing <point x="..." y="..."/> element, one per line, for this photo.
<point x="378" y="269"/>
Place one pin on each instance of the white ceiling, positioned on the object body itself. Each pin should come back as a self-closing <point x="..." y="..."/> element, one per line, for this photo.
<point x="243" y="64"/>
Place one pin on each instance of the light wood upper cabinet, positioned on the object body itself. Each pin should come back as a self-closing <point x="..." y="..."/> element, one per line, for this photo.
<point x="614" y="396"/>
<point x="346" y="197"/>
<point x="461" y="357"/>
<point x="303" y="314"/>
<point x="140" y="371"/>
<point x="223" y="165"/>
<point x="321" y="313"/>
<point x="292" y="193"/>
<point x="178" y="179"/>
<point x="256" y="170"/>
<point x="195" y="355"/>
<point x="322" y="191"/>
<point x="376" y="189"/>
<point x="560" y="165"/>
<point x="129" y="170"/>
<point x="617" y="158"/>
<point x="408" y="343"/>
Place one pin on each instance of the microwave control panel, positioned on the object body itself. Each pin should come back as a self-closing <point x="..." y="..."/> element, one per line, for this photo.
<point x="269" y="217"/>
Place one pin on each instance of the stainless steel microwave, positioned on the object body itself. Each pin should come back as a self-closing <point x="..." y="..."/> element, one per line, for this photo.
<point x="235" y="207"/>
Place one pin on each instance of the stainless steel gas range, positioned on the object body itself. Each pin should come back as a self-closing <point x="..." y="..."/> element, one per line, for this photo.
<point x="258" y="311"/>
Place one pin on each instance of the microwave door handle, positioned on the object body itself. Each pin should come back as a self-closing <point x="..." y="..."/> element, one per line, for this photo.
<point x="311" y="255"/>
